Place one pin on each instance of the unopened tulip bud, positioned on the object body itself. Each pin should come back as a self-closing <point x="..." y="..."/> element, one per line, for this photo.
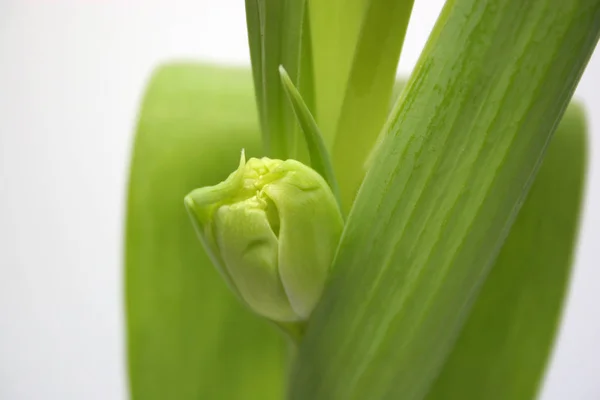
<point x="272" y="228"/>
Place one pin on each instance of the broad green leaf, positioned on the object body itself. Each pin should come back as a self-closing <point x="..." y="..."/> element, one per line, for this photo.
<point x="466" y="139"/>
<point x="398" y="86"/>
<point x="319" y="157"/>
<point x="188" y="336"/>
<point x="368" y="90"/>
<point x="334" y="29"/>
<point x="277" y="35"/>
<point x="505" y="344"/>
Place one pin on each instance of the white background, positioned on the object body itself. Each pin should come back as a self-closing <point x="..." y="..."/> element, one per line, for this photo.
<point x="71" y="78"/>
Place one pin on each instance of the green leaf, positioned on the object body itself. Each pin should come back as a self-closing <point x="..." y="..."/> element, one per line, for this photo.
<point x="334" y="29"/>
<point x="465" y="142"/>
<point x="255" y="31"/>
<point x="277" y="35"/>
<point x="319" y="157"/>
<point x="368" y="90"/>
<point x="188" y="336"/>
<point x="398" y="86"/>
<point x="506" y="342"/>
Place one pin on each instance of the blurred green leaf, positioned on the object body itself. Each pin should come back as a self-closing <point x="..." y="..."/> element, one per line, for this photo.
<point x="465" y="142"/>
<point x="506" y="342"/>
<point x="334" y="29"/>
<point x="368" y="90"/>
<point x="188" y="336"/>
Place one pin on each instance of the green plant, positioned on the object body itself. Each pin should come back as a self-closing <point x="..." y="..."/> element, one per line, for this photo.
<point x="460" y="218"/>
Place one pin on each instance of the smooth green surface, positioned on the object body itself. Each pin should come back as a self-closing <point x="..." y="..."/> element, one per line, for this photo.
<point x="255" y="28"/>
<point x="466" y="140"/>
<point x="277" y="35"/>
<point x="188" y="336"/>
<point x="505" y="344"/>
<point x="317" y="150"/>
<point x="368" y="90"/>
<point x="334" y="28"/>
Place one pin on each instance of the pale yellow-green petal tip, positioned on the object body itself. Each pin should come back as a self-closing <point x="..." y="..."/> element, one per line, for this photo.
<point x="243" y="158"/>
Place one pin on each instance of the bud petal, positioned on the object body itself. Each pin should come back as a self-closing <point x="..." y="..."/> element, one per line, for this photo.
<point x="249" y="249"/>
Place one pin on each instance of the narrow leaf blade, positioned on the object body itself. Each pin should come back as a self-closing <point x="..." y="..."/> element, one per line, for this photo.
<point x="433" y="211"/>
<point x="255" y="32"/>
<point x="278" y="36"/>
<point x="188" y="336"/>
<point x="319" y="157"/>
<point x="368" y="90"/>
<point x="335" y="26"/>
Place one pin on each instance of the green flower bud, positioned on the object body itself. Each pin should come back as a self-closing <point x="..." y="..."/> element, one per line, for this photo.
<point x="272" y="229"/>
